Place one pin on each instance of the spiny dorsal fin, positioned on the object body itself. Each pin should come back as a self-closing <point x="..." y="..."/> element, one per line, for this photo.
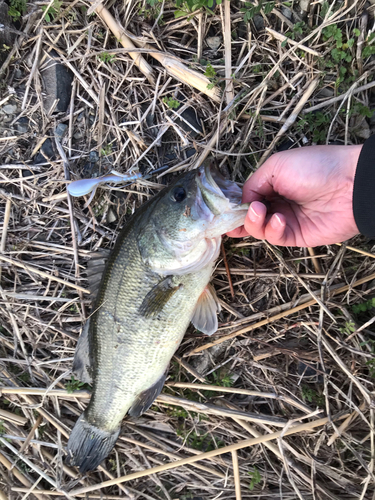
<point x="95" y="269"/>
<point x="158" y="297"/>
<point x="205" y="314"/>
<point x="146" y="398"/>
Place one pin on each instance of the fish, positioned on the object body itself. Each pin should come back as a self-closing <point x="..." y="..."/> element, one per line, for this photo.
<point x="155" y="282"/>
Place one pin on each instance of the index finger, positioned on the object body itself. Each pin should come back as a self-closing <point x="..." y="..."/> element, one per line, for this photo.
<point x="260" y="184"/>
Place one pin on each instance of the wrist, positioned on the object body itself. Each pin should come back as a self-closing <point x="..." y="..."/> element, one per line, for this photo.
<point x="352" y="154"/>
<point x="364" y="189"/>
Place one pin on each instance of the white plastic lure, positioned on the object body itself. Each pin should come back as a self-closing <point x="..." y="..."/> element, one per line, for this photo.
<point x="86" y="186"/>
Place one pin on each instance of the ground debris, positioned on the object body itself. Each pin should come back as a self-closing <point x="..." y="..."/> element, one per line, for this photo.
<point x="273" y="354"/>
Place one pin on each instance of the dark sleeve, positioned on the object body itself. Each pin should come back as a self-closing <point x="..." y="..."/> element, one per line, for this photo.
<point x="364" y="190"/>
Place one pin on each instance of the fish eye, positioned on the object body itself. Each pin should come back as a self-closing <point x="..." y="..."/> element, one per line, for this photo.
<point x="179" y="194"/>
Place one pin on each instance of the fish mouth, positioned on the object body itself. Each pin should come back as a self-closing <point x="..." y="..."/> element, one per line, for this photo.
<point x="220" y="185"/>
<point x="218" y="203"/>
<point x="219" y="194"/>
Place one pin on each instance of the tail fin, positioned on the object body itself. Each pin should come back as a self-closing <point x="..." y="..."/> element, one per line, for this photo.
<point x="88" y="445"/>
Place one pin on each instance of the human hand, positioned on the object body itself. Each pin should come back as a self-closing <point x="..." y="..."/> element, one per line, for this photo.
<point x="309" y="192"/>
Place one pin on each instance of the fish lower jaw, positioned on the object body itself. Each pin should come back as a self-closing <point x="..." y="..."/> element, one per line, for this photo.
<point x="226" y="222"/>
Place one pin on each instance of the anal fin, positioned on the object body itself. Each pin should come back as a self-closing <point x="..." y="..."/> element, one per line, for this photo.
<point x="158" y="297"/>
<point x="82" y="363"/>
<point x="205" y="314"/>
<point x="146" y="398"/>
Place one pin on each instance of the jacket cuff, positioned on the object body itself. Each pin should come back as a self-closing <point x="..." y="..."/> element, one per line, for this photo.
<point x="364" y="190"/>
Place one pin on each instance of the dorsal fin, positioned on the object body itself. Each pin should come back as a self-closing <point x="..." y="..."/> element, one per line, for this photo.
<point x="95" y="269"/>
<point x="82" y="363"/>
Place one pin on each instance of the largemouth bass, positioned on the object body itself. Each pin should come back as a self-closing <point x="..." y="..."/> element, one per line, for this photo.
<point x="154" y="284"/>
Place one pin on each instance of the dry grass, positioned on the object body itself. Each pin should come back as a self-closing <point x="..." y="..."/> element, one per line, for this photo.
<point x="281" y="400"/>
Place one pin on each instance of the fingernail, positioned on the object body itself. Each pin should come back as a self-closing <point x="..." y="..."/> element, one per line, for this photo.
<point x="253" y="214"/>
<point x="276" y="222"/>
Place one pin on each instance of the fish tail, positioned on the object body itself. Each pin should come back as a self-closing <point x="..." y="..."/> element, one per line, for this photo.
<point x="88" y="445"/>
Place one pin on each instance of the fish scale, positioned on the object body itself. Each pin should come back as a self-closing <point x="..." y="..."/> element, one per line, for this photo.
<point x="144" y="342"/>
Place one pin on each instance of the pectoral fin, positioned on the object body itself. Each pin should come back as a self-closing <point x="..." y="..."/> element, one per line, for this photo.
<point x="146" y="398"/>
<point x="158" y="297"/>
<point x="82" y="364"/>
<point x="205" y="314"/>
